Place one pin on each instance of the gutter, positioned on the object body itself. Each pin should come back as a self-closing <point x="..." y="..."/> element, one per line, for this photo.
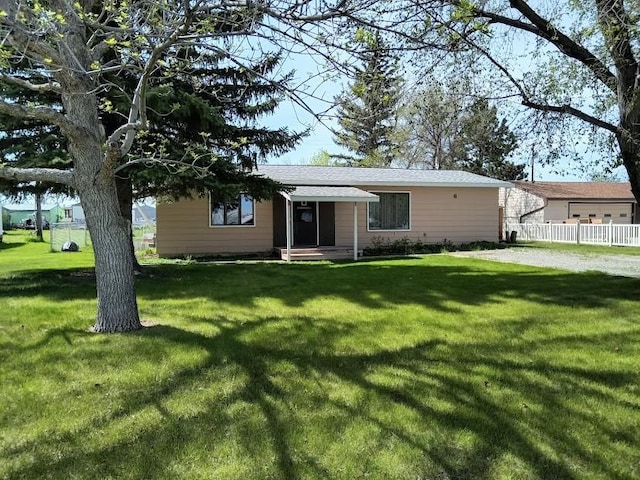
<point x="539" y="209"/>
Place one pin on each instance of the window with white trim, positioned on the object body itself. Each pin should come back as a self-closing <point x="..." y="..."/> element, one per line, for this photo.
<point x="391" y="212"/>
<point x="239" y="212"/>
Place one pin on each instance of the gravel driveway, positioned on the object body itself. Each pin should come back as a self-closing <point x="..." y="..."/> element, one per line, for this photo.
<point x="622" y="265"/>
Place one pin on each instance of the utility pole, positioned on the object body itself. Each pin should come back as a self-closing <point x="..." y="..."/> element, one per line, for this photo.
<point x="533" y="162"/>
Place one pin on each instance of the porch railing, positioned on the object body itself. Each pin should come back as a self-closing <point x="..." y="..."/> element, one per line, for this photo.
<point x="587" y="233"/>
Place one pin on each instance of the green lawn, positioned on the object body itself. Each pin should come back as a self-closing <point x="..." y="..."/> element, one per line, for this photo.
<point x="429" y="368"/>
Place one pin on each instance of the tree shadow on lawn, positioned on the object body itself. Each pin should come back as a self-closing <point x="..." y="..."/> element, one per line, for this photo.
<point x="419" y="396"/>
<point x="58" y="285"/>
<point x="9" y="246"/>
<point x="368" y="284"/>
<point x="381" y="284"/>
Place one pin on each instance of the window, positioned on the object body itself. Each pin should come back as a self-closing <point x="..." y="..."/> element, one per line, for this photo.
<point x="623" y="215"/>
<point x="390" y="213"/>
<point x="239" y="211"/>
<point x="607" y="215"/>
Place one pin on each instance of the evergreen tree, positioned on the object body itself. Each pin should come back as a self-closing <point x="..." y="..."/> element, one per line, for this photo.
<point x="366" y="114"/>
<point x="487" y="142"/>
<point x="205" y="119"/>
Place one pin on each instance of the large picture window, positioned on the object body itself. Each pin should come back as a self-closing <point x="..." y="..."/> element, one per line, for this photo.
<point x="239" y="211"/>
<point x="390" y="213"/>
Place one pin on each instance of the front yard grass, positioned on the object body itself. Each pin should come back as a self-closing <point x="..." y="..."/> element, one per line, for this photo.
<point x="435" y="367"/>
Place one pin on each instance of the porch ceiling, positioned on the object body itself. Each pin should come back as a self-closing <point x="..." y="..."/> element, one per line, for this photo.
<point x="329" y="194"/>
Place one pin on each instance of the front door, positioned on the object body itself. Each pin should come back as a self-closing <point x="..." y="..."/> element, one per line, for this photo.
<point x="305" y="224"/>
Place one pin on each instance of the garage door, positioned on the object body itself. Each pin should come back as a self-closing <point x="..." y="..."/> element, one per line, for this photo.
<point x="618" y="212"/>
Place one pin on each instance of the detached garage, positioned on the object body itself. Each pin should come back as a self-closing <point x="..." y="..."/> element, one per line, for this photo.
<point x="556" y="202"/>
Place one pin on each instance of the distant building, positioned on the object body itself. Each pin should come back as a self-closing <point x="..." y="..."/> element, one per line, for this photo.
<point x="73" y="213"/>
<point x="557" y="202"/>
<point x="23" y="215"/>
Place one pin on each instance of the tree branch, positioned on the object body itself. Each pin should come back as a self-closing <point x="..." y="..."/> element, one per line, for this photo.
<point x="567" y="109"/>
<point x="615" y="24"/>
<point x="39" y="87"/>
<point x="54" y="175"/>
<point x="545" y="29"/>
<point x="44" y="114"/>
<point x="543" y="107"/>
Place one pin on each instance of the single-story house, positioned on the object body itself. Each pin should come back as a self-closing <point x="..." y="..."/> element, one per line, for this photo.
<point x="73" y="212"/>
<point x="23" y="215"/>
<point x="335" y="207"/>
<point x="555" y="202"/>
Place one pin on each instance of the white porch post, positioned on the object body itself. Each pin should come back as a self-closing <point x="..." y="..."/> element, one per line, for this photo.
<point x="355" y="231"/>
<point x="288" y="220"/>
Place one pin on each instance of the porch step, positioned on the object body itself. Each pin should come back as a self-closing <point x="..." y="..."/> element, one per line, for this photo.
<point x="330" y="253"/>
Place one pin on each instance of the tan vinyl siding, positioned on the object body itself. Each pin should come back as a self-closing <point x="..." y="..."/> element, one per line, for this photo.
<point x="183" y="229"/>
<point x="436" y="215"/>
<point x="620" y="213"/>
<point x="555" y="211"/>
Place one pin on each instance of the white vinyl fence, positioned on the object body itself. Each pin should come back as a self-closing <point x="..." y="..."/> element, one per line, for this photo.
<point x="587" y="233"/>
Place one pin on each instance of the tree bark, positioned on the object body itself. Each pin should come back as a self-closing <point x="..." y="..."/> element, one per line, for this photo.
<point x="94" y="179"/>
<point x="39" y="216"/>
<point x="111" y="237"/>
<point x="115" y="283"/>
<point x="125" y="199"/>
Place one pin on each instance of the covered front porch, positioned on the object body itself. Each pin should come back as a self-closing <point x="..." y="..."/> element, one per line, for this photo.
<point x="305" y="226"/>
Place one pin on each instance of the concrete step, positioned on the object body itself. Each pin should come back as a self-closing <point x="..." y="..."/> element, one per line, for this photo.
<point x="318" y="253"/>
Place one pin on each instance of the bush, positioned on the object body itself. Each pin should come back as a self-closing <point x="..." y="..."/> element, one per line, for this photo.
<point x="406" y="246"/>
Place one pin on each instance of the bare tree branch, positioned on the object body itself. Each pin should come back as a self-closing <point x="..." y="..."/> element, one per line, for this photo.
<point x="36" y="87"/>
<point x="52" y="175"/>
<point x="545" y="29"/>
<point x="44" y="114"/>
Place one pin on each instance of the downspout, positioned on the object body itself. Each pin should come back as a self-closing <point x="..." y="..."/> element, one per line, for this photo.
<point x="539" y="209"/>
<point x="546" y="202"/>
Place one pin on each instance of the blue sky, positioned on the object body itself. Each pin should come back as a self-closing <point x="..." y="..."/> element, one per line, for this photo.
<point x="320" y="138"/>
<point x="310" y="74"/>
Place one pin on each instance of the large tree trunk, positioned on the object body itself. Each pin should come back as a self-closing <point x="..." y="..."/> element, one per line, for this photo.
<point x="630" y="154"/>
<point x="111" y="239"/>
<point x="94" y="179"/>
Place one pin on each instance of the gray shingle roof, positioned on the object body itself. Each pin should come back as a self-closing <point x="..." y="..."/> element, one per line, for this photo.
<point x="353" y="176"/>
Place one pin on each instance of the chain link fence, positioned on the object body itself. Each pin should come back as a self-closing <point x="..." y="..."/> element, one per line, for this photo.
<point x="60" y="233"/>
<point x="144" y="236"/>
